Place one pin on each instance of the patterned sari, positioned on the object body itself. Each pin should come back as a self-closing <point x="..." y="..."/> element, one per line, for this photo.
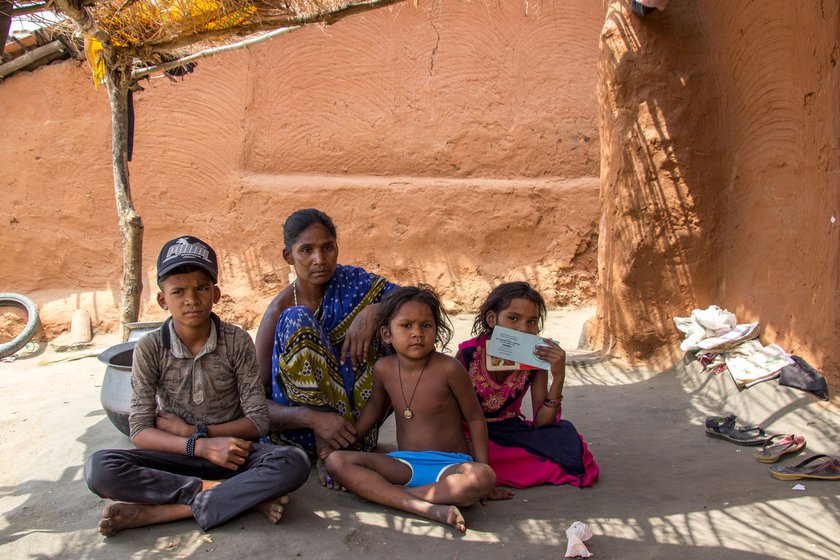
<point x="305" y="362"/>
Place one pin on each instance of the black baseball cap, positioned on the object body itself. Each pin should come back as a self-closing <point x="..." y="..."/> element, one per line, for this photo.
<point x="185" y="251"/>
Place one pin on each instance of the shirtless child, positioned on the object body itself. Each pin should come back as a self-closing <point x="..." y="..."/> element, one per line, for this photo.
<point x="432" y="395"/>
<point x="196" y="402"/>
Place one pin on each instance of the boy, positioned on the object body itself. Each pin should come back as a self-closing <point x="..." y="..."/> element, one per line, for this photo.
<point x="417" y="480"/>
<point x="196" y="401"/>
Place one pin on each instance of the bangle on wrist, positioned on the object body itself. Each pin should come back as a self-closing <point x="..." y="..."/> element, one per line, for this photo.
<point x="553" y="403"/>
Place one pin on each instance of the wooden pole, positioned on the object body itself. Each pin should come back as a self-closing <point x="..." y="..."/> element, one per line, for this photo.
<point x="118" y="80"/>
<point x="5" y="22"/>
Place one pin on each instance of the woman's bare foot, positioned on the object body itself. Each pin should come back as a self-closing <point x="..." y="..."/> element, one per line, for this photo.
<point x="321" y="451"/>
<point x="325" y="478"/>
<point x="450" y="515"/>
<point x="122" y="515"/>
<point x="273" y="509"/>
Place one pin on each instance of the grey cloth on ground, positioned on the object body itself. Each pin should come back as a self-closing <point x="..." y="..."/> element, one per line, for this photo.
<point x="801" y="375"/>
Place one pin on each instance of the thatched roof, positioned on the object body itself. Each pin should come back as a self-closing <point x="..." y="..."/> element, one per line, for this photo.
<point x="159" y="25"/>
<point x="148" y="31"/>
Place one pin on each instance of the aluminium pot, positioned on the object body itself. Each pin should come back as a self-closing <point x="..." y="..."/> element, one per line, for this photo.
<point x="115" y="394"/>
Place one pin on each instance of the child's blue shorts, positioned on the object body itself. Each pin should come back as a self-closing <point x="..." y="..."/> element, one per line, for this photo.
<point x="427" y="466"/>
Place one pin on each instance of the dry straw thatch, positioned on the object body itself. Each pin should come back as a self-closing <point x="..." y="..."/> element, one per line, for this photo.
<point x="144" y="28"/>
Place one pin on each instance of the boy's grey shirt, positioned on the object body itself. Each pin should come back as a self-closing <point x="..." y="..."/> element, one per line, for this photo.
<point x="219" y="385"/>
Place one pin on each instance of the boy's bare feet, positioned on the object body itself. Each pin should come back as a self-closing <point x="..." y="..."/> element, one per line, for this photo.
<point x="119" y="516"/>
<point x="273" y="509"/>
<point x="122" y="515"/>
<point x="450" y="515"/>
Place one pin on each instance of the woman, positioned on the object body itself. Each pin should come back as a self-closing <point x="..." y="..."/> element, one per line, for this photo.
<point x="316" y="343"/>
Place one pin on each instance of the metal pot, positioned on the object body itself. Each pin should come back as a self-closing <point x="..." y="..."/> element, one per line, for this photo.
<point x="115" y="394"/>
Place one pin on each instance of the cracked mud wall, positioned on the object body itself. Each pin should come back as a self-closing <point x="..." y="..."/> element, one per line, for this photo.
<point x="454" y="143"/>
<point x="720" y="151"/>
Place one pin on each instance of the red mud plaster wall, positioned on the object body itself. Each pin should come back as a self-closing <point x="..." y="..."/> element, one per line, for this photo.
<point x="777" y="68"/>
<point x="659" y="177"/>
<point x="454" y="143"/>
<point x="720" y="173"/>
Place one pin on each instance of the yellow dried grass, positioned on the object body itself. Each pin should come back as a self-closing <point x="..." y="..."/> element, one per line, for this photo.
<point x="150" y="22"/>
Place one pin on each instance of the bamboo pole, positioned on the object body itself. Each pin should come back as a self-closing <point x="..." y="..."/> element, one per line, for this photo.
<point x="48" y="51"/>
<point x="143" y="72"/>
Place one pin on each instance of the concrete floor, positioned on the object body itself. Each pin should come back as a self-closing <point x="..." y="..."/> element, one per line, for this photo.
<point x="666" y="490"/>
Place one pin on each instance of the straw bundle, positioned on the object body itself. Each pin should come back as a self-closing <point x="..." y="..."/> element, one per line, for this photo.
<point x="146" y="23"/>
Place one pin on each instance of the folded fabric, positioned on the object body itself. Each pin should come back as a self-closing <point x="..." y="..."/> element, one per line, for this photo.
<point x="750" y="363"/>
<point x="713" y="329"/>
<point x="577" y="533"/>
<point x="800" y="375"/>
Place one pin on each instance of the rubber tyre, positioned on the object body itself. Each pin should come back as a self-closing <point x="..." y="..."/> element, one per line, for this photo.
<point x="18" y="300"/>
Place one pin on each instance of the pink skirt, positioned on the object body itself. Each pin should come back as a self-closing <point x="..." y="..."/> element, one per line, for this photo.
<point x="517" y="468"/>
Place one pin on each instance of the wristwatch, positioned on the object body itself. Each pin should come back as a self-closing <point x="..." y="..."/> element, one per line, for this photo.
<point x="200" y="432"/>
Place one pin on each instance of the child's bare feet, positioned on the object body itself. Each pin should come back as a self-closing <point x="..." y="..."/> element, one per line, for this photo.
<point x="450" y="515"/>
<point x="273" y="509"/>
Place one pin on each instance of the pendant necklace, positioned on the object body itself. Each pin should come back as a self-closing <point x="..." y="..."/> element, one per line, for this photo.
<point x="407" y="412"/>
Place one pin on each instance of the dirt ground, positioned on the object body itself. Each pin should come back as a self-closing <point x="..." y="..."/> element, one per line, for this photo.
<point x="666" y="490"/>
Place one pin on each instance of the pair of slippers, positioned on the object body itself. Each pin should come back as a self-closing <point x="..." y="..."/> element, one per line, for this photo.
<point x="820" y="467"/>
<point x="773" y="447"/>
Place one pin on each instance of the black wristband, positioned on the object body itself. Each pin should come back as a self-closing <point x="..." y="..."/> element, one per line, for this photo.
<point x="190" y="449"/>
<point x="200" y="432"/>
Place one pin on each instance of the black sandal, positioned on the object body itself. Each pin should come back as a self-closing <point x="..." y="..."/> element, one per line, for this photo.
<point x="723" y="427"/>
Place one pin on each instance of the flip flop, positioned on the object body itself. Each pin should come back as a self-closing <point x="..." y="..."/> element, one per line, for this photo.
<point x="723" y="427"/>
<point x="826" y="469"/>
<point x="778" y="445"/>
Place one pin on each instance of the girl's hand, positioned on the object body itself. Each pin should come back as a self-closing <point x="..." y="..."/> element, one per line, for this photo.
<point x="553" y="354"/>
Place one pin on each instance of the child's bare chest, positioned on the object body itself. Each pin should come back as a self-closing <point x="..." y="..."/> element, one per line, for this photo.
<point x="427" y="398"/>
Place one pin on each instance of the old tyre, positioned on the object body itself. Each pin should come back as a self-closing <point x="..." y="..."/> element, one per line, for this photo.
<point x="18" y="300"/>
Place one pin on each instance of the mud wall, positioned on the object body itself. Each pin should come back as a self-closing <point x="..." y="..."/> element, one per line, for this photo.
<point x="719" y="130"/>
<point x="453" y="143"/>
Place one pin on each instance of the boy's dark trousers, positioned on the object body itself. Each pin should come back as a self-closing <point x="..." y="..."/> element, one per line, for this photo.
<point x="157" y="477"/>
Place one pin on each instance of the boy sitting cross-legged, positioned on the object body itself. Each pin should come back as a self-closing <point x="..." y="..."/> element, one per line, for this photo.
<point x="196" y="402"/>
<point x="432" y="396"/>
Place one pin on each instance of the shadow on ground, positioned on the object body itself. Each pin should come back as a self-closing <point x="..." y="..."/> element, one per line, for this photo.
<point x="666" y="491"/>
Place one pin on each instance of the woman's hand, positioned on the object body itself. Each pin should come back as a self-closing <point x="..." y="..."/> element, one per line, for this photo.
<point x="359" y="336"/>
<point x="173" y="424"/>
<point x="554" y="355"/>
<point x="333" y="429"/>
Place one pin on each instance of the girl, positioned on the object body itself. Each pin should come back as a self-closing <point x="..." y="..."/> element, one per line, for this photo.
<point x="432" y="473"/>
<point x="523" y="454"/>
